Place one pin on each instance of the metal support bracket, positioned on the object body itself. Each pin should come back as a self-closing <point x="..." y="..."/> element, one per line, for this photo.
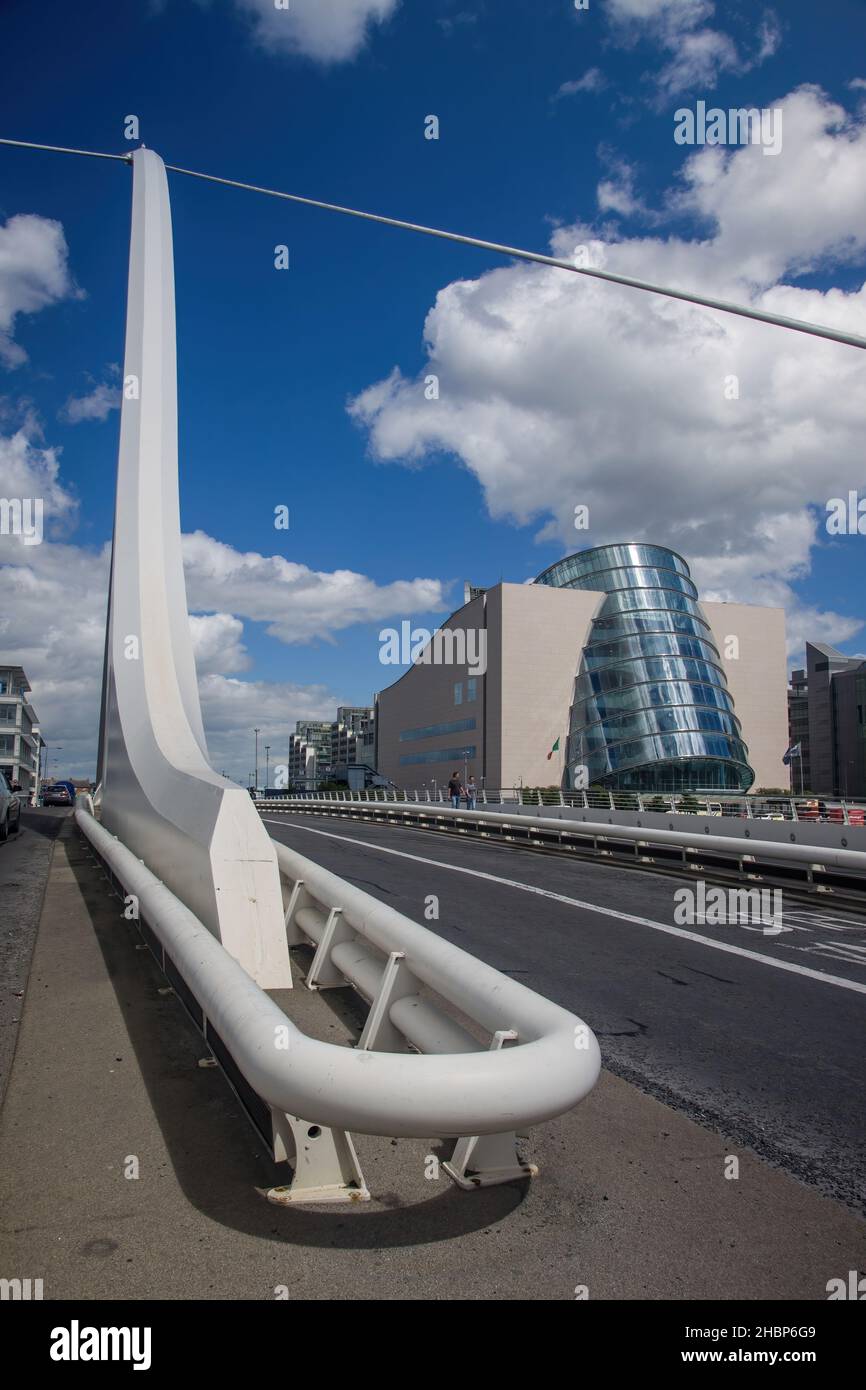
<point x="299" y="897"/>
<point x="487" y="1159"/>
<point x="326" y="1167"/>
<point x="322" y="974"/>
<point x="379" y="1033"/>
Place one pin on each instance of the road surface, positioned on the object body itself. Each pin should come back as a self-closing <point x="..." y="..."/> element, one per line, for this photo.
<point x="760" y="1037"/>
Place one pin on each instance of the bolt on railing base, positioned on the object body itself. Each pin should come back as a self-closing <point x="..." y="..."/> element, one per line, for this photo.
<point x="324" y="1162"/>
<point x="485" y="1160"/>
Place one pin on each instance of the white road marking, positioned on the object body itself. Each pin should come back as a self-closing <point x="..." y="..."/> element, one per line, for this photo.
<point x="791" y="966"/>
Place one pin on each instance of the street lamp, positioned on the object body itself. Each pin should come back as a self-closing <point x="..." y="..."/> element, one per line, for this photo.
<point x="267" y="765"/>
<point x="256" y="732"/>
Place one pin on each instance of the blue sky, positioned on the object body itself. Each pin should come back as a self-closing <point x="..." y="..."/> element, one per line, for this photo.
<point x="553" y="123"/>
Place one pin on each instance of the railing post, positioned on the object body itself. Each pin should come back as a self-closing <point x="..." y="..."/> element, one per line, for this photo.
<point x="482" y="1160"/>
<point x="379" y="1034"/>
<point x="322" y="974"/>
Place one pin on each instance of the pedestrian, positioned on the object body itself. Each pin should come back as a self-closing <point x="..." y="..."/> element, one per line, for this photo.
<point x="471" y="794"/>
<point x="455" y="788"/>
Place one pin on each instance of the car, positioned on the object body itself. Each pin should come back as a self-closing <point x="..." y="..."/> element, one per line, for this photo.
<point x="10" y="809"/>
<point x="56" y="795"/>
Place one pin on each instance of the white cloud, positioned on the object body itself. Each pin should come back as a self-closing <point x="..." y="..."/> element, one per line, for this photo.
<point x="297" y="603"/>
<point x="617" y="194"/>
<point x="28" y="471"/>
<point x="329" y="31"/>
<point x="699" y="54"/>
<point x="232" y="708"/>
<point x="34" y="273"/>
<point x="52" y="621"/>
<point x="217" y="640"/>
<point x="557" y="390"/>
<point x="97" y="404"/>
<point x="593" y="80"/>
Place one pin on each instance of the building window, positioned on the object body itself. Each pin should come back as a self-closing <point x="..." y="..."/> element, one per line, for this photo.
<point x="456" y="726"/>
<point x="458" y="692"/>
<point x="471" y="689"/>
<point x="454" y="756"/>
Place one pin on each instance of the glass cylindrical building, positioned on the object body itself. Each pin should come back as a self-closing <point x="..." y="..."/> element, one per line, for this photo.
<point x="651" y="709"/>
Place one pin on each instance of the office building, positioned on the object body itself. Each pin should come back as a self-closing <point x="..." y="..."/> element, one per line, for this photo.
<point x="800" y="766"/>
<point x="606" y="670"/>
<point x="19" y="737"/>
<point x="836" y="697"/>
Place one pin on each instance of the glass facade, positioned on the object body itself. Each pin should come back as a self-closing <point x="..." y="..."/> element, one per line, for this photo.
<point x="651" y="708"/>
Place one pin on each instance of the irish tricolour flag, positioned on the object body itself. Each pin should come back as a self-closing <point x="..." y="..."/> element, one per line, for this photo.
<point x="554" y="749"/>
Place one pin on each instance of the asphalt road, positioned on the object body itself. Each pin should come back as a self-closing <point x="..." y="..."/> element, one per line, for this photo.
<point x="758" y="1037"/>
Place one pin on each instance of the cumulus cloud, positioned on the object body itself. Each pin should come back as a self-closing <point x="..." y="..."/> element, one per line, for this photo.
<point x="232" y="708"/>
<point x="34" y="273"/>
<point x="29" y="471"/>
<point x="53" y="609"/>
<point x="297" y="603"/>
<point x="557" y="390"/>
<point x="328" y="31"/>
<point x="217" y="640"/>
<point x="699" y="53"/>
<point x="96" y="404"/>
<point x="617" y="193"/>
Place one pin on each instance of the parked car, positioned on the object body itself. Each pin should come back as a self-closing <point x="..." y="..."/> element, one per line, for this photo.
<point x="10" y="809"/>
<point x="56" y="795"/>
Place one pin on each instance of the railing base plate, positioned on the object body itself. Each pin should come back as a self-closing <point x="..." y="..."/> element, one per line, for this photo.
<point x="485" y="1160"/>
<point x="325" y="1164"/>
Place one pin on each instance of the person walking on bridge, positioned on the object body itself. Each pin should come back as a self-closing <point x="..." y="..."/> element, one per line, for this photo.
<point x="455" y="790"/>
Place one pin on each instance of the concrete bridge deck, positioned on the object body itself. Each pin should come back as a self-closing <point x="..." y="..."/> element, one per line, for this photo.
<point x="631" y="1200"/>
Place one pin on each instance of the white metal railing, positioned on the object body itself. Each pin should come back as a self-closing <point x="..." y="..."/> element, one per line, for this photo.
<point x="456" y="1088"/>
<point x="782" y="807"/>
<point x="749" y="854"/>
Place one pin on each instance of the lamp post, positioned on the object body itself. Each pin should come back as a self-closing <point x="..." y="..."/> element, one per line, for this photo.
<point x="256" y="732"/>
<point x="267" y="765"/>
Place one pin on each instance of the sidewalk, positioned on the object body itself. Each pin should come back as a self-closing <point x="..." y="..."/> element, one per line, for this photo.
<point x="24" y="861"/>
<point x="631" y="1199"/>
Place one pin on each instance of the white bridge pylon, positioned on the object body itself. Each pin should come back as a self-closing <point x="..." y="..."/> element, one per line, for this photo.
<point x="200" y="833"/>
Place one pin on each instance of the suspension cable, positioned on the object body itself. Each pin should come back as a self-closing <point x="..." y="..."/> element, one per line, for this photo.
<point x="705" y="301"/>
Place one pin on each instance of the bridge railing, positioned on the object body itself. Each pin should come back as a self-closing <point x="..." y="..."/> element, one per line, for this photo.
<point x="741" y="851"/>
<point x="510" y="1060"/>
<point x="765" y="807"/>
